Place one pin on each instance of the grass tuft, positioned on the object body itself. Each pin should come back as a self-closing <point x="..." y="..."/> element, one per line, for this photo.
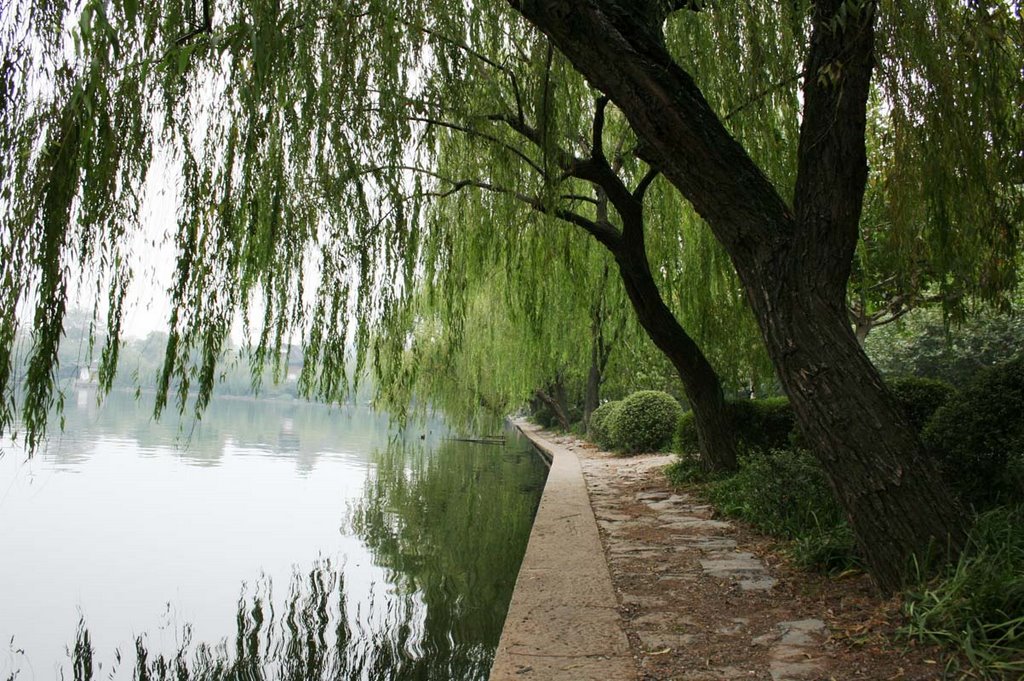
<point x="978" y="607"/>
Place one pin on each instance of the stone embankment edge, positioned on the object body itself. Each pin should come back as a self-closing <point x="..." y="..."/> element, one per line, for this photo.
<point x="563" y="622"/>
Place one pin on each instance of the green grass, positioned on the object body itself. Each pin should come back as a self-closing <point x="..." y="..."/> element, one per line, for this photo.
<point x="686" y="470"/>
<point x="977" y="608"/>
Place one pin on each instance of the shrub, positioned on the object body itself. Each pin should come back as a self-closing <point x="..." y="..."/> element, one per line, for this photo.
<point x="919" y="397"/>
<point x="979" y="606"/>
<point x="758" y="424"/>
<point x="599" y="432"/>
<point x="544" y="416"/>
<point x="687" y="470"/>
<point x="771" y="424"/>
<point x="784" y="493"/>
<point x="763" y="424"/>
<point x="645" y="422"/>
<point x="686" y="440"/>
<point x="978" y="437"/>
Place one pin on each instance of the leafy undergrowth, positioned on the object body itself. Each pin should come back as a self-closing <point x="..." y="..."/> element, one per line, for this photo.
<point x="978" y="607"/>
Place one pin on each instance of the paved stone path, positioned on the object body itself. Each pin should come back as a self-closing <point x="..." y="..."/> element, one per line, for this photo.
<point x="624" y="578"/>
<point x="669" y="544"/>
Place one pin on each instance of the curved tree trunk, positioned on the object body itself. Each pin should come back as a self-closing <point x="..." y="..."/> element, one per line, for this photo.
<point x="893" y="495"/>
<point x="700" y="381"/>
<point x="556" y="399"/>
<point x="600" y="351"/>
<point x="794" y="262"/>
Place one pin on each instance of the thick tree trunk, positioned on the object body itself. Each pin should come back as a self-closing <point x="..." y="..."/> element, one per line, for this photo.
<point x="700" y="381"/>
<point x="794" y="263"/>
<point x="891" y="491"/>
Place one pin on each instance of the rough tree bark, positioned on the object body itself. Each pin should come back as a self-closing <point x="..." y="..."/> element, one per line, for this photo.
<point x="794" y="263"/>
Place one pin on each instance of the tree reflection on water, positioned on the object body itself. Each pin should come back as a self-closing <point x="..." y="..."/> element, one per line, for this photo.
<point x="448" y="525"/>
<point x="451" y="527"/>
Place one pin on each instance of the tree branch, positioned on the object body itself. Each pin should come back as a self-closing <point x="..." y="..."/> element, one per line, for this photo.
<point x="594" y="170"/>
<point x="602" y="230"/>
<point x="597" y="138"/>
<point x="509" y="73"/>
<point x="667" y="110"/>
<point x="580" y="197"/>
<point x="483" y="135"/>
<point x="757" y="96"/>
<point x="645" y="184"/>
<point x="205" y="27"/>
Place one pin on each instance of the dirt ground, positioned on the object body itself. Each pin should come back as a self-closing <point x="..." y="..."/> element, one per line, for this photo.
<point x="704" y="598"/>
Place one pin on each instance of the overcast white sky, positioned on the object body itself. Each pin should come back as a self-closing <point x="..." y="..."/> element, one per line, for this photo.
<point x="154" y="257"/>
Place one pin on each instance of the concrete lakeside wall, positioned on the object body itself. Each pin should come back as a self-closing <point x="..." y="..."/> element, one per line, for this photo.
<point x="563" y="622"/>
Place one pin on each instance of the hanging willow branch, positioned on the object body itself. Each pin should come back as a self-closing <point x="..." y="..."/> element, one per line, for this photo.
<point x="288" y="129"/>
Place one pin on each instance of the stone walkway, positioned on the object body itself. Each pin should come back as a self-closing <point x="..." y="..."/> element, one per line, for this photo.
<point x="626" y="578"/>
<point x="692" y="595"/>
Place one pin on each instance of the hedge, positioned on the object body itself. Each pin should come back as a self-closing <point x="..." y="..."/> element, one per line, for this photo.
<point x="758" y="424"/>
<point x="920" y="397"/>
<point x="978" y="437"/>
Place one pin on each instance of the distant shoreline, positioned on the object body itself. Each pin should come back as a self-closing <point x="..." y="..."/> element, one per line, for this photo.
<point x="93" y="387"/>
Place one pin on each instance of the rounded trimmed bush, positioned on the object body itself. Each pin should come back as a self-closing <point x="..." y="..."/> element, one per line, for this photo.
<point x="978" y="437"/>
<point x="645" y="422"/>
<point x="599" y="432"/>
<point x="920" y="397"/>
<point x="687" y="440"/>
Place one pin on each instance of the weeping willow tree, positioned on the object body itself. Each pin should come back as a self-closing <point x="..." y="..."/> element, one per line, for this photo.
<point x="296" y="135"/>
<point x="551" y="328"/>
<point x="913" y="214"/>
<point x="513" y="183"/>
<point x="548" y="341"/>
<point x="792" y="241"/>
<point x="547" y="147"/>
<point x="539" y="309"/>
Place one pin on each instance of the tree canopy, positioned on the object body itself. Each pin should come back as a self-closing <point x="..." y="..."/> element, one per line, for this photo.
<point x="318" y="132"/>
<point x="358" y="139"/>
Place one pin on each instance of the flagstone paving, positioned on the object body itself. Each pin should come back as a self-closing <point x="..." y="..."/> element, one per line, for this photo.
<point x="701" y="598"/>
<point x="667" y="542"/>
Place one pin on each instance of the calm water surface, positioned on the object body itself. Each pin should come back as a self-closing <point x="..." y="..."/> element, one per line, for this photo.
<point x="279" y="539"/>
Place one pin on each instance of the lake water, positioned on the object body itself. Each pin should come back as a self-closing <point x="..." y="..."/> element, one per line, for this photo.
<point x="272" y="540"/>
